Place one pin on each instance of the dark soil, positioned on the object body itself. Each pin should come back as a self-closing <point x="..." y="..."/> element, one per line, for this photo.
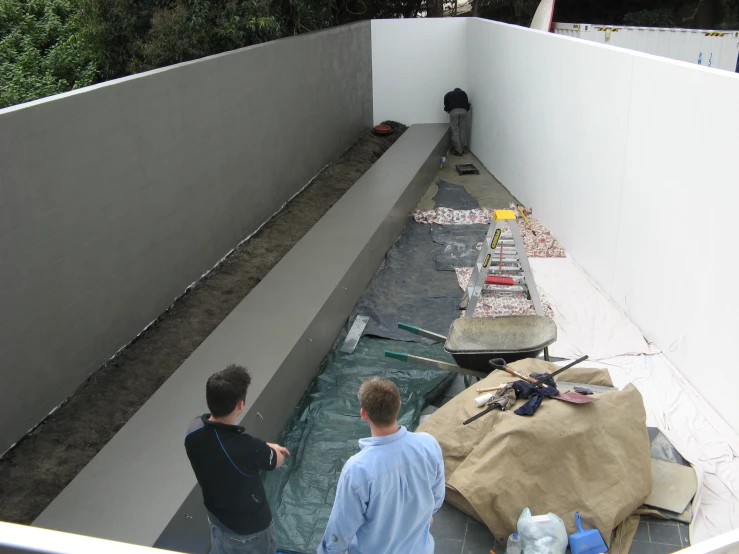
<point x="34" y="472"/>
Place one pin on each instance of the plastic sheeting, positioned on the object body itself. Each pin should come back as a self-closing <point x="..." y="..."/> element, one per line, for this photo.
<point x="593" y="458"/>
<point x="460" y="245"/>
<point x="449" y="194"/>
<point x="587" y="321"/>
<point x="409" y="289"/>
<point x="324" y="429"/>
<point x="698" y="433"/>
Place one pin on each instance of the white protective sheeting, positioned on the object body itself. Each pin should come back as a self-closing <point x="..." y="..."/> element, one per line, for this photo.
<point x="695" y="429"/>
<point x="587" y="321"/>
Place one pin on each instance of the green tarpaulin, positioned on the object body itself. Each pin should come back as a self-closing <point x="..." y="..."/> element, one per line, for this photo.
<point x="323" y="431"/>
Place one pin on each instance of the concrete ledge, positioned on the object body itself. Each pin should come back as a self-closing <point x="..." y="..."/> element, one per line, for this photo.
<point x="282" y="331"/>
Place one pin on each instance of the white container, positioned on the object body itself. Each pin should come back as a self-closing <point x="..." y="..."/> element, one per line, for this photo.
<point x="717" y="49"/>
<point x="480" y="401"/>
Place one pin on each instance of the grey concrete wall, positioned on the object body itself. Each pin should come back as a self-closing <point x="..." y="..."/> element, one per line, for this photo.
<point x="133" y="490"/>
<point x="115" y="198"/>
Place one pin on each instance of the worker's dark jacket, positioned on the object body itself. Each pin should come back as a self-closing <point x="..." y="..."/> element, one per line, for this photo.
<point x="226" y="461"/>
<point x="456" y="100"/>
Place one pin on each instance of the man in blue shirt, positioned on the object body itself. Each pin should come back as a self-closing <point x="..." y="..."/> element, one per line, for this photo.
<point x="388" y="492"/>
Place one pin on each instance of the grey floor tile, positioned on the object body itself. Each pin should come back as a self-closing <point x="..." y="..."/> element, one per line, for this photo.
<point x="639" y="547"/>
<point x="665" y="548"/>
<point x="449" y="523"/>
<point x="684" y="534"/>
<point x="665" y="533"/>
<point x="448" y="546"/>
<point x="642" y="532"/>
<point x="479" y="539"/>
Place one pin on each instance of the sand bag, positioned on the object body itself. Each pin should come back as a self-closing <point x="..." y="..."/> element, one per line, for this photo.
<point x="592" y="458"/>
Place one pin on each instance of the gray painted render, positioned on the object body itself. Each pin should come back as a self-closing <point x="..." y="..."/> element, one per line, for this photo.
<point x="117" y="197"/>
<point x="281" y="331"/>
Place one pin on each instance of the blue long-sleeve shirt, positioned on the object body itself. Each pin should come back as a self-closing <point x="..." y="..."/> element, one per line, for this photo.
<point x="386" y="495"/>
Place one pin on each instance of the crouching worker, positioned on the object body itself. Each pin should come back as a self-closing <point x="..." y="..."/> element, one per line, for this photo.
<point x="226" y="461"/>
<point x="387" y="493"/>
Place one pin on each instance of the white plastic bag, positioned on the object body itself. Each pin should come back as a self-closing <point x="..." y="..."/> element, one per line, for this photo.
<point x="542" y="534"/>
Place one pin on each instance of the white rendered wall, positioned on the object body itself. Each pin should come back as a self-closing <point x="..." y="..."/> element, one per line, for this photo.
<point x="676" y="261"/>
<point x="631" y="161"/>
<point x="415" y="62"/>
<point x="537" y="132"/>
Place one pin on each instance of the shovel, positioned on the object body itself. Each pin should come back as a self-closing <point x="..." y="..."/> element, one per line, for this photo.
<point x="586" y="541"/>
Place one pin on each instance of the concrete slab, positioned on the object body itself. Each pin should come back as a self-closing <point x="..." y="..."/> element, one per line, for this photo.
<point x="485" y="188"/>
<point x="281" y="331"/>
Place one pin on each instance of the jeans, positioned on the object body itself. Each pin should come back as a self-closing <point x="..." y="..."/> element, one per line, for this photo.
<point x="458" y="120"/>
<point x="226" y="542"/>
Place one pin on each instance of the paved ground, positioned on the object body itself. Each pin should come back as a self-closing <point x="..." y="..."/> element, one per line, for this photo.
<point x="659" y="537"/>
<point x="457" y="533"/>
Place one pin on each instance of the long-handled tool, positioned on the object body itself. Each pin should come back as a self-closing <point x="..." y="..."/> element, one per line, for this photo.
<point x="433" y="363"/>
<point x="482" y="413"/>
<point x="568" y="396"/>
<point x="526" y="219"/>
<point x="560" y="370"/>
<point x="560" y="385"/>
<point x="497" y="365"/>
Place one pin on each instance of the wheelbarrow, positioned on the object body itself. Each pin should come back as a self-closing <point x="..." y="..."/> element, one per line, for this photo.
<point x="474" y="341"/>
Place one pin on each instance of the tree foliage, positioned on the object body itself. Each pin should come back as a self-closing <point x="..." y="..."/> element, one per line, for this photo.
<point x="129" y="36"/>
<point x="41" y="52"/>
<point x="688" y="14"/>
<point x="51" y="46"/>
<point x="518" y="12"/>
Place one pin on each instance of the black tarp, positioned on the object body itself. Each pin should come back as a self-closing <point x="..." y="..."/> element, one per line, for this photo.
<point x="409" y="289"/>
<point x="323" y="431"/>
<point x="459" y="245"/>
<point x="454" y="196"/>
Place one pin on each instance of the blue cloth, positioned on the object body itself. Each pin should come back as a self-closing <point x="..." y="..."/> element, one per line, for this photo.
<point x="535" y="394"/>
<point x="386" y="496"/>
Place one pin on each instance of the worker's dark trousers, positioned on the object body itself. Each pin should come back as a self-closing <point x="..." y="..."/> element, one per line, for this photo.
<point x="458" y="120"/>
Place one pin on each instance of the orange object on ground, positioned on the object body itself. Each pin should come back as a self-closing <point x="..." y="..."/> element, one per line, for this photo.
<point x="383" y="129"/>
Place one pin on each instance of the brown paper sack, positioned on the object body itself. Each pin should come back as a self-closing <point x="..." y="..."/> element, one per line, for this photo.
<point x="593" y="458"/>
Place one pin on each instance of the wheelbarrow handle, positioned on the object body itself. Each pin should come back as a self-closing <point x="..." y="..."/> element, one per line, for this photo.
<point x="438" y="364"/>
<point x="422" y="332"/>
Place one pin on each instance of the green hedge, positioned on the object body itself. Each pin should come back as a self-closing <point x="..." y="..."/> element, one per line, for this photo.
<point x="41" y="52"/>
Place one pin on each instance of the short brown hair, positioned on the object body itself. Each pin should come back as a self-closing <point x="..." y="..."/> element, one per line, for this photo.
<point x="380" y="398"/>
<point x="225" y="389"/>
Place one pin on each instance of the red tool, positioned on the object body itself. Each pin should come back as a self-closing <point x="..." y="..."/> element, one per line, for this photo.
<point x="495" y="280"/>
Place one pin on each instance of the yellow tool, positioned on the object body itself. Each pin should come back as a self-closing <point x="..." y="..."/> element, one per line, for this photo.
<point x="526" y="219"/>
